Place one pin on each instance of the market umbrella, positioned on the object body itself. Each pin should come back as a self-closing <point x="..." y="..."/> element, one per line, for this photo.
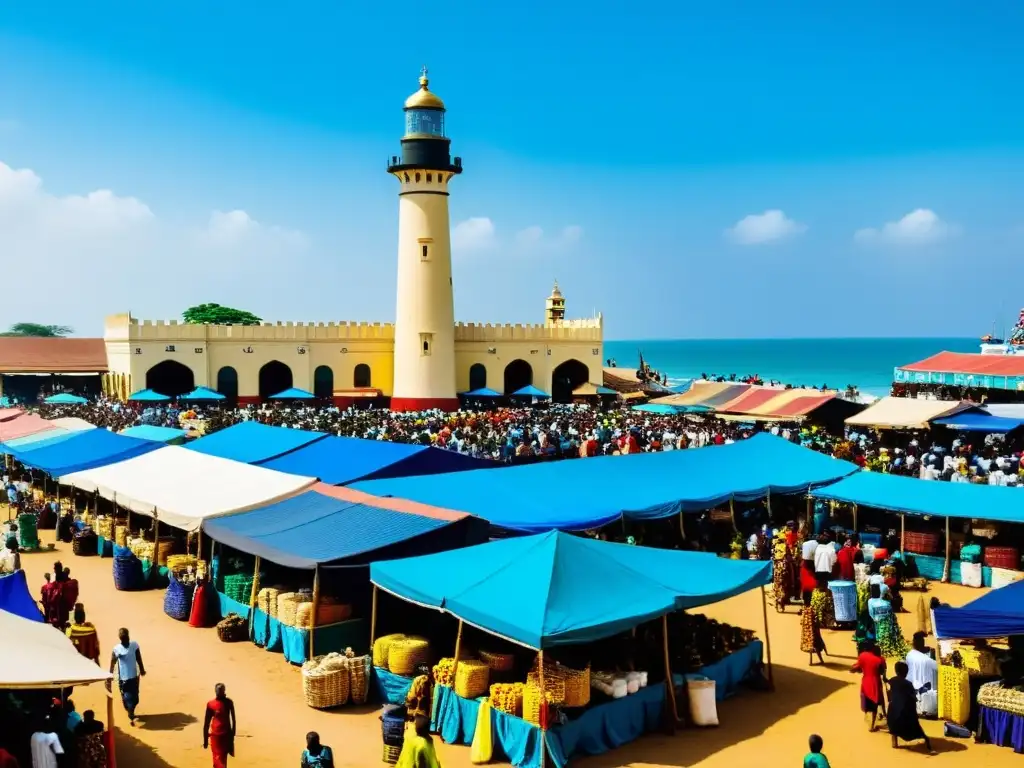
<point x="482" y="392"/>
<point x="202" y="393"/>
<point x="148" y="396"/>
<point x="65" y="398"/>
<point x="293" y="393"/>
<point x="530" y="391"/>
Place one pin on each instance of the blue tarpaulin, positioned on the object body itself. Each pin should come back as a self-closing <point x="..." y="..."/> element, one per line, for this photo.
<point x="293" y="393"/>
<point x="251" y="442"/>
<point x="84" y="450"/>
<point x="148" y="396"/>
<point x="156" y="434"/>
<point x="65" y="398"/>
<point x="15" y="597"/>
<point x="530" y="391"/>
<point x="999" y="613"/>
<point x="928" y="497"/>
<point x="316" y="529"/>
<point x="580" y="494"/>
<point x="539" y="591"/>
<point x="482" y="392"/>
<point x="969" y="421"/>
<point x="341" y="460"/>
<point x="202" y="393"/>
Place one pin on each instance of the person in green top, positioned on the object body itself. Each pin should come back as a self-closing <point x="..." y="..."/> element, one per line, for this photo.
<point x="815" y="758"/>
<point x="418" y="751"/>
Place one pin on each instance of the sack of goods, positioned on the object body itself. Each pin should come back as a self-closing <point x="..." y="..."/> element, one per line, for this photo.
<point x="326" y="681"/>
<point x="359" y="668"/>
<point x="328" y="611"/>
<point x="178" y="600"/>
<point x="406" y="654"/>
<point x="266" y="600"/>
<point x="381" y="648"/>
<point x="703" y="707"/>
<point x="233" y="629"/>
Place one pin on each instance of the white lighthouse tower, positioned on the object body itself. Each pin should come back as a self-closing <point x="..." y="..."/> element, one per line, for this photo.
<point x="425" y="309"/>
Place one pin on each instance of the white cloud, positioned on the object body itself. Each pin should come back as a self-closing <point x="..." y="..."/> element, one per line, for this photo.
<point x="535" y="238"/>
<point x="764" y="228"/>
<point x="101" y="253"/>
<point x="919" y="227"/>
<point x="474" y="234"/>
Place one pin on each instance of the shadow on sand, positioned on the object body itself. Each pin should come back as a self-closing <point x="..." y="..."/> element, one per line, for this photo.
<point x="743" y="717"/>
<point x="166" y="721"/>
<point x="134" y="754"/>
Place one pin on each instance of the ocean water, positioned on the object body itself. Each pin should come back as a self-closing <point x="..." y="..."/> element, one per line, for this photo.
<point x="866" y="363"/>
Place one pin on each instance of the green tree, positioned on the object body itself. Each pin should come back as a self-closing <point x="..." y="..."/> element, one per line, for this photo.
<point x="38" y="330"/>
<point x="215" y="314"/>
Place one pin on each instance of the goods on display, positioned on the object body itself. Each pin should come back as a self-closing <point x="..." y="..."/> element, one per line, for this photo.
<point x="266" y="600"/>
<point x="976" y="660"/>
<point x="970" y="574"/>
<point x="84" y="543"/>
<point x="532" y="696"/>
<point x="998" y="696"/>
<point x="121" y="535"/>
<point x="127" y="571"/>
<point x="238" y="586"/>
<point x="498" y="662"/>
<point x="105" y="526"/>
<point x="326" y="681"/>
<point x="508" y="698"/>
<point x="1002" y="557"/>
<point x="233" y="629"/>
<point x="954" y="694"/>
<point x="406" y="654"/>
<point x="472" y="678"/>
<point x="328" y="611"/>
<point x="28" y="536"/>
<point x="381" y="647"/>
<point x="568" y="687"/>
<point x="178" y="599"/>
<point x="392" y="725"/>
<point x="922" y="543"/>
<point x="359" y="668"/>
<point x="442" y="670"/>
<point x="844" y="594"/>
<point x="703" y="708"/>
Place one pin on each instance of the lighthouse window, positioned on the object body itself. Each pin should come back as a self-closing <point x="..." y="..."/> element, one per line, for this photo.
<point x="426" y="252"/>
<point x="425" y="342"/>
<point x="424" y="121"/>
<point x="417" y="178"/>
<point x="430" y="178"/>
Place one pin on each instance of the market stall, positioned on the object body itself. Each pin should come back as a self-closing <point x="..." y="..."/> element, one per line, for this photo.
<point x="323" y="540"/>
<point x="537" y="593"/>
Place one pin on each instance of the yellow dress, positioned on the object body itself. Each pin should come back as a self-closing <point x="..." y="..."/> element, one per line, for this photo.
<point x="417" y="751"/>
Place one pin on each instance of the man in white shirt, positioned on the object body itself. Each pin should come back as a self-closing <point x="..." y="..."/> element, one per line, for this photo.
<point x="127" y="657"/>
<point x="45" y="747"/>
<point x="824" y="559"/>
<point x="923" y="673"/>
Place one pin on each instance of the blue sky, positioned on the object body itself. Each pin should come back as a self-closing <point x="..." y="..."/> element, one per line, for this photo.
<point x="692" y="170"/>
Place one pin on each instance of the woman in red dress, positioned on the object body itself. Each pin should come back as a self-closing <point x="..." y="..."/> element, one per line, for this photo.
<point x="219" y="727"/>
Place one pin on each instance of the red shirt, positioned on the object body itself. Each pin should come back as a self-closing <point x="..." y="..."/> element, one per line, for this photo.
<point x="872" y="668"/>
<point x="845" y="559"/>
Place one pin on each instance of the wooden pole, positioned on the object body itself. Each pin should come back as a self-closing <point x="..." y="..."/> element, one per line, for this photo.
<point x="768" y="502"/>
<point x="373" y="617"/>
<point x="732" y="515"/>
<point x="112" y="757"/>
<point x="670" y="687"/>
<point x="855" y="518"/>
<point x="767" y="638"/>
<point x="316" y="607"/>
<point x="810" y="516"/>
<point x="156" y="540"/>
<point x="682" y="527"/>
<point x="542" y="714"/>
<point x="903" y="533"/>
<point x="253" y="592"/>
<point x="458" y="652"/>
<point x="949" y="552"/>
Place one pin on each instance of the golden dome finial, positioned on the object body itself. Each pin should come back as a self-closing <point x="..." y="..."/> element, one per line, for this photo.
<point x="555" y="292"/>
<point x="423" y="98"/>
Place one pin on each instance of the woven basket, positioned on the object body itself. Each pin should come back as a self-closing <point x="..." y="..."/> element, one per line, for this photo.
<point x="178" y="600"/>
<point x="266" y="600"/>
<point x="498" y="662"/>
<point x="325" y="686"/>
<point x="995" y="696"/>
<point x="391" y="754"/>
<point x="164" y="549"/>
<point x="568" y="687"/>
<point x="978" y="662"/>
<point x="443" y="671"/>
<point x="121" y="535"/>
<point x="288" y="606"/>
<point x="182" y="562"/>
<point x="233" y="629"/>
<point x="406" y="654"/>
<point x="472" y="678"/>
<point x="531" y="703"/>
<point x="84" y="543"/>
<point x="127" y="573"/>
<point x="1002" y="557"/>
<point x="508" y="698"/>
<point x="359" y="678"/>
<point x="720" y="516"/>
<point x="381" y="646"/>
<point x="326" y="613"/>
<point x="922" y="543"/>
<point x="105" y="527"/>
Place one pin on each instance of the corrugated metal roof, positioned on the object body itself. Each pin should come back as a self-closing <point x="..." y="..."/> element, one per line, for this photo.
<point x="43" y="355"/>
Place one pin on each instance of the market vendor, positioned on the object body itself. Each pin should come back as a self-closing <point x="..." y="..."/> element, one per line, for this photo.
<point x="10" y="560"/>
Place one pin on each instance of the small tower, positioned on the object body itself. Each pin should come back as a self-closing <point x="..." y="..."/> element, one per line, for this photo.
<point x="425" y="308"/>
<point x="554" y="307"/>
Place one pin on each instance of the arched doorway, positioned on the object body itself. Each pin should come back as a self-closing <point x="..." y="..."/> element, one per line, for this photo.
<point x="275" y="377"/>
<point x="227" y="383"/>
<point x="566" y="377"/>
<point x="477" y="376"/>
<point x="518" y="374"/>
<point x="170" y="378"/>
<point x="323" y="382"/>
<point x="361" y="376"/>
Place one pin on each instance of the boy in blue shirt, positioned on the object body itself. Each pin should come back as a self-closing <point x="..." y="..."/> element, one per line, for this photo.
<point x="814" y="758"/>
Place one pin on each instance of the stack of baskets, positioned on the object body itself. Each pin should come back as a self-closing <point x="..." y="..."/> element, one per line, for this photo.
<point x="121" y="535"/>
<point x="266" y="600"/>
<point x="28" y="535"/>
<point x="995" y="557"/>
<point x="922" y="543"/>
<point x="127" y="571"/>
<point x="406" y="654"/>
<point x="233" y="629"/>
<point x="84" y="543"/>
<point x="472" y="678"/>
<point x="238" y="586"/>
<point x="381" y="648"/>
<point x="326" y="682"/>
<point x="328" y="611"/>
<point x="567" y="687"/>
<point x="359" y="676"/>
<point x="508" y="698"/>
<point x="185" y="564"/>
<point x="288" y="606"/>
<point x="164" y="548"/>
<point x="178" y="600"/>
<point x="996" y="696"/>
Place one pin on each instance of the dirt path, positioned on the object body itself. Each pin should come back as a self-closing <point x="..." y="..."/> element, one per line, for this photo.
<point x="185" y="663"/>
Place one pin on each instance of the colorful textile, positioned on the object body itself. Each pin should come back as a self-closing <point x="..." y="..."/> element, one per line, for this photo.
<point x="810" y="633"/>
<point x="85" y="640"/>
<point x="824" y="608"/>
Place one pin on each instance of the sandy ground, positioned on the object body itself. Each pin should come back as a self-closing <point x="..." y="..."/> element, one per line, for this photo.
<point x="184" y="664"/>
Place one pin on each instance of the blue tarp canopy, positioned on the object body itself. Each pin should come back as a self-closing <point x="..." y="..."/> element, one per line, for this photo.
<point x="202" y="393"/>
<point x="580" y="494"/>
<point x="15" y="597"/>
<point x="157" y="434"/>
<point x="482" y="392"/>
<point x="250" y="442"/>
<point x="999" y="613"/>
<point x="979" y="421"/>
<point x="293" y="393"/>
<point x="659" y="408"/>
<point x="341" y="460"/>
<point x="84" y="450"/>
<point x="65" y="398"/>
<point x="539" y="591"/>
<point x="314" y="529"/>
<point x="928" y="497"/>
<point x="148" y="396"/>
<point x="530" y="391"/>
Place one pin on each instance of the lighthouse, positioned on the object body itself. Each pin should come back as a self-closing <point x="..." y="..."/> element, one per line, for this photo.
<point x="425" y="308"/>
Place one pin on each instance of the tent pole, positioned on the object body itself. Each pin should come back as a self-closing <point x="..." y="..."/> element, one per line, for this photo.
<point x="58" y="498"/>
<point x="769" y="504"/>
<point x="810" y="514"/>
<point x="903" y="533"/>
<point x="542" y="713"/>
<point x="112" y="756"/>
<point x="316" y="607"/>
<point x="458" y="651"/>
<point x="252" y="593"/>
<point x="855" y="518"/>
<point x="682" y="528"/>
<point x="732" y="515"/>
<point x="156" y="541"/>
<point x="670" y="688"/>
<point x="767" y="637"/>
<point x="373" y="616"/>
<point x="949" y="550"/>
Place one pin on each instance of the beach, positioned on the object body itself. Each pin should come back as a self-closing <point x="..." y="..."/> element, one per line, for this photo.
<point x="183" y="664"/>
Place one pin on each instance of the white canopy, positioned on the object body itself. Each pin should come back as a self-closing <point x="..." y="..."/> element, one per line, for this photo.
<point x="905" y="412"/>
<point x="72" y="424"/>
<point x="36" y="655"/>
<point x="184" y="487"/>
